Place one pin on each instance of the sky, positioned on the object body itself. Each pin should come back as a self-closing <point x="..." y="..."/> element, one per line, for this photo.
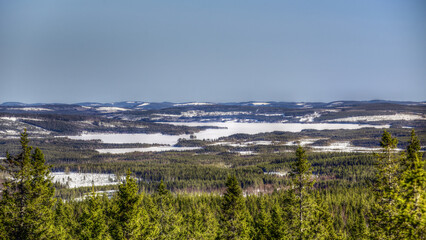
<point x="214" y="51"/>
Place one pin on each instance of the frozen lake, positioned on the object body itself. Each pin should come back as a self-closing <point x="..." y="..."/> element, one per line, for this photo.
<point x="226" y="129"/>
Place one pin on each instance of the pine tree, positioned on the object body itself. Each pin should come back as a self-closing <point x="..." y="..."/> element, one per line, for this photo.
<point x="234" y="219"/>
<point x="128" y="218"/>
<point x="385" y="189"/>
<point x="26" y="207"/>
<point x="411" y="204"/>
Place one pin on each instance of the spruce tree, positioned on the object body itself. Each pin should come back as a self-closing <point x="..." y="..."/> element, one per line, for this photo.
<point x="26" y="207"/>
<point x="128" y="218"/>
<point x="93" y="224"/>
<point x="303" y="182"/>
<point x="411" y="201"/>
<point x="277" y="228"/>
<point x="262" y="222"/>
<point x="234" y="219"/>
<point x="169" y="220"/>
<point x="385" y="189"/>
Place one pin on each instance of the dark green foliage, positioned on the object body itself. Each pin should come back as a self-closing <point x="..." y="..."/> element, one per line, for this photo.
<point x="26" y="206"/>
<point x="411" y="200"/>
<point x="234" y="219"/>
<point x="128" y="218"/>
<point x="93" y="221"/>
<point x="167" y="218"/>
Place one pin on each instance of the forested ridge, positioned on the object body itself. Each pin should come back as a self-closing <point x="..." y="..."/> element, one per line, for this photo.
<point x="387" y="202"/>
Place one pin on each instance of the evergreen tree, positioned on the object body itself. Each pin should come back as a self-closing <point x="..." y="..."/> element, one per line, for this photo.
<point x="169" y="220"/>
<point x="411" y="202"/>
<point x="93" y="223"/>
<point x="322" y="227"/>
<point x="305" y="205"/>
<point x="26" y="207"/>
<point x="385" y="189"/>
<point x="262" y="222"/>
<point x="277" y="227"/>
<point x="128" y="218"/>
<point x="234" y="219"/>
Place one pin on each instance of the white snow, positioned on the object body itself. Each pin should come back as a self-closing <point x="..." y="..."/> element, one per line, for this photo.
<point x="192" y="104"/>
<point x="281" y="174"/>
<point x="302" y="142"/>
<point x="75" y="180"/>
<point x="375" y="118"/>
<point x="9" y="118"/>
<point x="243" y="144"/>
<point x="309" y="117"/>
<point x="143" y="105"/>
<point x="226" y="129"/>
<point x="344" y="147"/>
<point x="201" y="113"/>
<point x="148" y="149"/>
<point x="111" y="109"/>
<point x="30" y="109"/>
<point x="260" y="103"/>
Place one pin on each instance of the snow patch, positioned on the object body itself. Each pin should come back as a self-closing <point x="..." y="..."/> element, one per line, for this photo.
<point x="376" y="118"/>
<point x="75" y="180"/>
<point x="192" y="104"/>
<point x="260" y="103"/>
<point x="148" y="149"/>
<point x="111" y="109"/>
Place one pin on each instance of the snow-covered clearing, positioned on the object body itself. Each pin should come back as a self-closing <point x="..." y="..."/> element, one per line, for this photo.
<point x="148" y="149"/>
<point x="343" y="147"/>
<point x="309" y="117"/>
<point x="260" y="103"/>
<point x="111" y="109"/>
<point x="281" y="174"/>
<point x="30" y="109"/>
<point x="376" y="118"/>
<point x="192" y="104"/>
<point x="302" y="142"/>
<point x="75" y="180"/>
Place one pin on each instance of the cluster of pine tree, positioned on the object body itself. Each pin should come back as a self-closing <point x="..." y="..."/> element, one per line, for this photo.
<point x="28" y="209"/>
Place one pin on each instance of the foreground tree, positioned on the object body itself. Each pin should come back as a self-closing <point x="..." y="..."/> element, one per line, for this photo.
<point x="93" y="223"/>
<point x="27" y="198"/>
<point x="411" y="200"/>
<point x="168" y="219"/>
<point x="234" y="219"/>
<point x="385" y="189"/>
<point x="128" y="218"/>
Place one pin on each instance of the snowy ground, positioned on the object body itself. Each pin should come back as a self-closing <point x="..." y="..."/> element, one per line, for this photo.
<point x="75" y="180"/>
<point x="376" y="118"/>
<point x="148" y="149"/>
<point x="343" y="147"/>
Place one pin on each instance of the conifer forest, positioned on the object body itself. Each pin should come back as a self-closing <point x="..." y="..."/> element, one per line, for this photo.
<point x="371" y="196"/>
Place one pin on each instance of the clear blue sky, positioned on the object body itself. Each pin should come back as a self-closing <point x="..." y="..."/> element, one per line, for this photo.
<point x="220" y="51"/>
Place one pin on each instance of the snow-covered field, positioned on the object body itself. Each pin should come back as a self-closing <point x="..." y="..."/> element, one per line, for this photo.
<point x="75" y="180"/>
<point x="111" y="109"/>
<point x="226" y="129"/>
<point x="148" y="149"/>
<point x="343" y="147"/>
<point x="376" y="118"/>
